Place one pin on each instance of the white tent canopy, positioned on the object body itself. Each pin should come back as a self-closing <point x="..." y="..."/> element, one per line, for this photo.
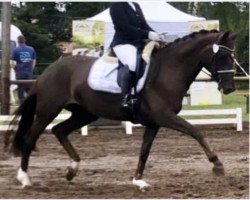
<point x="154" y="11"/>
<point x="161" y="16"/>
<point x="14" y="32"/>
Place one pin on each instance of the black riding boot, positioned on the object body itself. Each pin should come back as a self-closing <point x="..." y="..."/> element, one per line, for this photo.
<point x="126" y="86"/>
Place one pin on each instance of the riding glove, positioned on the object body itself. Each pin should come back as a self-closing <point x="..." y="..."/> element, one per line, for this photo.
<point x="155" y="36"/>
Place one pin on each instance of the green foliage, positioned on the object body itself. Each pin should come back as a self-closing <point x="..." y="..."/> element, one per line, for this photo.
<point x="81" y="10"/>
<point x="44" y="24"/>
<point x="34" y="21"/>
<point x="233" y="16"/>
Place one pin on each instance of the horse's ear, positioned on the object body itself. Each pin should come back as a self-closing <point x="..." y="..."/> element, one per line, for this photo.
<point x="225" y="36"/>
<point x="233" y="36"/>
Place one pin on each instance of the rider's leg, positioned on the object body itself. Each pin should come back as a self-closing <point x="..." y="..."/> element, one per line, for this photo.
<point x="127" y="54"/>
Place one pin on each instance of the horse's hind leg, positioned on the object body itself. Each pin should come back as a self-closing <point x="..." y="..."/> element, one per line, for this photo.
<point x="38" y="126"/>
<point x="177" y="123"/>
<point x="79" y="118"/>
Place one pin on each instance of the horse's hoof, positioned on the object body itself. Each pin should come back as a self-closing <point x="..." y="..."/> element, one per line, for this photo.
<point x="71" y="173"/>
<point x="219" y="170"/>
<point x="26" y="187"/>
<point x="143" y="185"/>
<point x="23" y="178"/>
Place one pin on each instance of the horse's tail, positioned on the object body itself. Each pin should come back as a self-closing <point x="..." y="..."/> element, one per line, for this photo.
<point x="27" y="112"/>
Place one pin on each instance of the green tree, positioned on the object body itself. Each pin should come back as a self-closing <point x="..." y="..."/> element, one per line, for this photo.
<point x="44" y="24"/>
<point x="82" y="10"/>
<point x="37" y="24"/>
<point x="233" y="16"/>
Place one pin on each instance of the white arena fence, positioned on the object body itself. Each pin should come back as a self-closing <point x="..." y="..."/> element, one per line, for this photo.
<point x="6" y="119"/>
<point x="235" y="118"/>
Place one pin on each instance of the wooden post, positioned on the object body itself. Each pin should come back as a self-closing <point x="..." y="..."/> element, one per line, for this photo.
<point x="5" y="81"/>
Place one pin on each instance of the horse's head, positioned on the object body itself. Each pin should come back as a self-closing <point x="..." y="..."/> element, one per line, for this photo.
<point x="222" y="67"/>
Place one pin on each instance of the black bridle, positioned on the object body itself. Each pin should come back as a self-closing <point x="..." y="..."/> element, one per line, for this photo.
<point x="217" y="49"/>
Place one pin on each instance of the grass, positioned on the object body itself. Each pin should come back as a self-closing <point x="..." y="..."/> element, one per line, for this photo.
<point x="228" y="102"/>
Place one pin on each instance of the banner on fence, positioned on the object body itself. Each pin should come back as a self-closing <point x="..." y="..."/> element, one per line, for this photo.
<point x="205" y="93"/>
<point x="88" y="33"/>
<point x="195" y="26"/>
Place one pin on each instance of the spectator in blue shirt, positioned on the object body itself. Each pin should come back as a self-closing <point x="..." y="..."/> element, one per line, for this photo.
<point x="23" y="61"/>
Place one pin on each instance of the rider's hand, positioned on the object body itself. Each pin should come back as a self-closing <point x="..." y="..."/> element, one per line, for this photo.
<point x="155" y="36"/>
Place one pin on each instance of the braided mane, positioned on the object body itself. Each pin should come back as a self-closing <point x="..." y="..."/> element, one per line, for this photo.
<point x="192" y="35"/>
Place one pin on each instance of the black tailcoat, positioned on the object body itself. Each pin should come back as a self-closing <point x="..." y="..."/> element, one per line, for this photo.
<point x="130" y="25"/>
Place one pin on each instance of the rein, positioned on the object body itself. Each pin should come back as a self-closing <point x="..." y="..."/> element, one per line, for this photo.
<point x="242" y="69"/>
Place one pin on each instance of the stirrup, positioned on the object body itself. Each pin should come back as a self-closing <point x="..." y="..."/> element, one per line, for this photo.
<point x="128" y="103"/>
<point x="124" y="105"/>
<point x="125" y="101"/>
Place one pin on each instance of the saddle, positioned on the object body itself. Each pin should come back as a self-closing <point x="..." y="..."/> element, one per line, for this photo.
<point x="143" y="59"/>
<point x="107" y="72"/>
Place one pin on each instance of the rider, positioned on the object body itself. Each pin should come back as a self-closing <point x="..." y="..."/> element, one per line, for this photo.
<point x="131" y="29"/>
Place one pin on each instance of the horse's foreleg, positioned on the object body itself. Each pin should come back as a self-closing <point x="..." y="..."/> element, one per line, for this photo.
<point x="148" y="138"/>
<point x="177" y="123"/>
<point x="78" y="119"/>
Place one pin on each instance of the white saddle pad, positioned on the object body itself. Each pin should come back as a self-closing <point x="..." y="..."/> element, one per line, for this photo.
<point x="103" y="77"/>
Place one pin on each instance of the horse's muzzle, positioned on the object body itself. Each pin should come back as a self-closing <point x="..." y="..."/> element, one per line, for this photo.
<point x="226" y="84"/>
<point x="228" y="91"/>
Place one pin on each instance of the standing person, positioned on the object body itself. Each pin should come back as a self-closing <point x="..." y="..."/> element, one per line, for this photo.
<point x="23" y="61"/>
<point x="131" y="30"/>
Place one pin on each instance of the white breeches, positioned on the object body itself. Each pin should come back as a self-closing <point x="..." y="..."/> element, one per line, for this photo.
<point x="127" y="54"/>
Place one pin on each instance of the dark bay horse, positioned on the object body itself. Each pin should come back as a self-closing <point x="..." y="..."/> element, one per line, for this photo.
<point x="63" y="85"/>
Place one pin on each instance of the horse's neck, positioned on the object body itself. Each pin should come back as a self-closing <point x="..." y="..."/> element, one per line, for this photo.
<point x="199" y="46"/>
<point x="200" y="53"/>
<point x="196" y="51"/>
<point x="185" y="58"/>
